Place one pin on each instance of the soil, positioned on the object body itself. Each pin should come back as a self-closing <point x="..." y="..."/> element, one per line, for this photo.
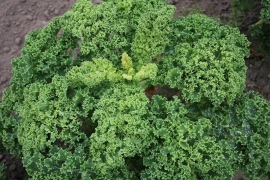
<point x="18" y="17"/>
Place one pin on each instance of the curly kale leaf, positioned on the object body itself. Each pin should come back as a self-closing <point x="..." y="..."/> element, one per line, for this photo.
<point x="123" y="116"/>
<point x="44" y="55"/>
<point x="145" y="49"/>
<point x="57" y="164"/>
<point x="249" y="129"/>
<point x="54" y="119"/>
<point x="111" y="28"/>
<point x="9" y="123"/>
<point x="99" y="72"/>
<point x="245" y="126"/>
<point x="183" y="148"/>
<point x="205" y="60"/>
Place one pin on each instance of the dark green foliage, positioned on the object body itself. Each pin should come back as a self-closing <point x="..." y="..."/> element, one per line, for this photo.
<point x="261" y="30"/>
<point x="265" y="12"/>
<point x="252" y="141"/>
<point x="246" y="126"/>
<point x="185" y="149"/>
<point x="90" y="118"/>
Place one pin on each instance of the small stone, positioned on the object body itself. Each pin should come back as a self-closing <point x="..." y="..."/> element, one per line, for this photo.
<point x="29" y="17"/>
<point x="22" y="1"/>
<point x="46" y="14"/>
<point x="18" y="40"/>
<point x="56" y="11"/>
<point x="15" y="32"/>
<point x="12" y="167"/>
<point x="51" y="8"/>
<point x="18" y="23"/>
<point x="4" y="79"/>
<point x="6" y="49"/>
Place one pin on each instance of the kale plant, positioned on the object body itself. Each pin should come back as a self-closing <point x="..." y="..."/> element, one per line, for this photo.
<point x="89" y="115"/>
